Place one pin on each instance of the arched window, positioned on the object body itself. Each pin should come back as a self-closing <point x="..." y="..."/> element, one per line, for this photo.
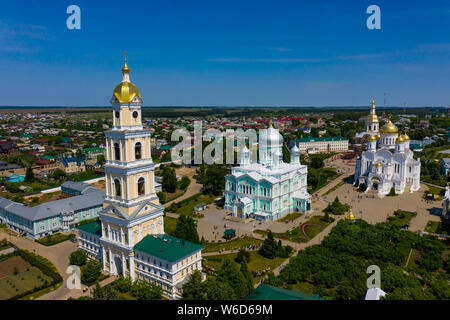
<point x="117" y="187"/>
<point x="117" y="151"/>
<point x="137" y="151"/>
<point x="141" y="186"/>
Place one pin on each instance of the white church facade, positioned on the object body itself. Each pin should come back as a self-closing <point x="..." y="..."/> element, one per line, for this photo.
<point x="387" y="161"/>
<point x="269" y="188"/>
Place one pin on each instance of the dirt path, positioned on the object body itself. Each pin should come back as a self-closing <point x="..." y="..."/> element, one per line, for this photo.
<point x="193" y="188"/>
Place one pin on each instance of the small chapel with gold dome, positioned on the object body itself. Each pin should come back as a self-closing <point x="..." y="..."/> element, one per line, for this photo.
<point x="387" y="162"/>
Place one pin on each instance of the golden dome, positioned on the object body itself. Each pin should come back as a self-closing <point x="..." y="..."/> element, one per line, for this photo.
<point x="372" y="118"/>
<point x="400" y="139"/>
<point x="378" y="136"/>
<point x="406" y="137"/>
<point x="126" y="90"/>
<point x="349" y="216"/>
<point x="372" y="138"/>
<point x="389" y="127"/>
<point x="378" y="164"/>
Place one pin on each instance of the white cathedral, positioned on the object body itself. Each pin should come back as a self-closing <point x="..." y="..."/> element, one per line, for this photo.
<point x="388" y="161"/>
<point x="267" y="189"/>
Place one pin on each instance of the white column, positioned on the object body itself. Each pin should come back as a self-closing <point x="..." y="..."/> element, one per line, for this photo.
<point x="122" y="186"/>
<point x="104" y="259"/>
<point x="130" y="238"/>
<point x="110" y="260"/>
<point x="109" y="232"/>
<point x="124" y="265"/>
<point x="132" y="275"/>
<point x="103" y="230"/>
<point x="122" y="240"/>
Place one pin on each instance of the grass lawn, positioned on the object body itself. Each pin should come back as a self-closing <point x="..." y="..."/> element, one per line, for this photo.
<point x="169" y="225"/>
<point x="323" y="177"/>
<point x="436" y="193"/>
<point x="432" y="226"/>
<point x="340" y="184"/>
<point x="26" y="278"/>
<point x="296" y="235"/>
<point x="173" y="195"/>
<point x="435" y="227"/>
<point x="257" y="262"/>
<point x="47" y="197"/>
<point x="187" y="207"/>
<point x="56" y="238"/>
<point x="401" y="217"/>
<point x="4" y="245"/>
<point x="229" y="245"/>
<point x="291" y="216"/>
<point x="305" y="287"/>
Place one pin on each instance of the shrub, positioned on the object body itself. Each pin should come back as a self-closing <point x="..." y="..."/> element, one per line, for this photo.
<point x="78" y="257"/>
<point x="243" y="255"/>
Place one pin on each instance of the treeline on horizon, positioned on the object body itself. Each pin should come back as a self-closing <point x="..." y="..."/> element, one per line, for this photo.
<point x="352" y="113"/>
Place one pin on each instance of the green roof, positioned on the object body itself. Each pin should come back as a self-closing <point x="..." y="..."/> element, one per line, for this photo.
<point x="48" y="157"/>
<point x="266" y="292"/>
<point x="310" y="139"/>
<point x="230" y="231"/>
<point x="167" y="247"/>
<point x="92" y="227"/>
<point x="93" y="149"/>
<point x="165" y="147"/>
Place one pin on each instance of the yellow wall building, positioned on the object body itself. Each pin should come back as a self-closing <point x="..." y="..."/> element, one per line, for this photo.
<point x="131" y="231"/>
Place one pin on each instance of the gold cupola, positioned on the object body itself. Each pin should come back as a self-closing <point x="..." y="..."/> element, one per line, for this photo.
<point x="126" y="91"/>
<point x="405" y="136"/>
<point x="400" y="139"/>
<point x="372" y="117"/>
<point x="389" y="127"/>
<point x="372" y="138"/>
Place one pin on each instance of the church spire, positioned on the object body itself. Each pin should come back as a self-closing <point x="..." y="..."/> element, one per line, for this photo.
<point x="126" y="70"/>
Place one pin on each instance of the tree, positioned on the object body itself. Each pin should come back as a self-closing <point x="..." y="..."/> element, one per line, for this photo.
<point x="162" y="197"/>
<point x="192" y="289"/>
<point x="184" y="183"/>
<point x="146" y="291"/>
<point x="90" y="272"/>
<point x="243" y="256"/>
<point x="101" y="159"/>
<point x="29" y="175"/>
<point x="269" y="247"/>
<point x="436" y="175"/>
<point x="105" y="293"/>
<point x="213" y="178"/>
<point x="230" y="273"/>
<point x="247" y="276"/>
<point x="216" y="290"/>
<point x="169" y="179"/>
<point x="186" y="229"/>
<point x="58" y="174"/>
<point x="392" y="192"/>
<point x="78" y="257"/>
<point x="316" y="162"/>
<point x="123" y="284"/>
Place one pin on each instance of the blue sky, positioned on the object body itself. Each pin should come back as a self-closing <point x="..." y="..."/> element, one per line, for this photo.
<point x="237" y="53"/>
